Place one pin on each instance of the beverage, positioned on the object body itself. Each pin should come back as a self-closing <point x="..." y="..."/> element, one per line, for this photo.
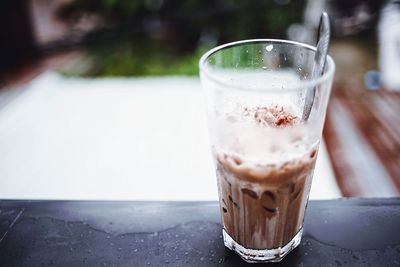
<point x="262" y="202"/>
<point x="264" y="147"/>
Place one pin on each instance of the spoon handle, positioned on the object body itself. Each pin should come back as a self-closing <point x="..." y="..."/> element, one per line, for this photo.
<point x="324" y="33"/>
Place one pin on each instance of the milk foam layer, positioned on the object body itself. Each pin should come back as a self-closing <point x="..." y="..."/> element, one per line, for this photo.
<point x="263" y="134"/>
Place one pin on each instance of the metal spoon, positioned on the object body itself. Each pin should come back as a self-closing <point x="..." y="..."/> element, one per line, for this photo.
<point x="324" y="33"/>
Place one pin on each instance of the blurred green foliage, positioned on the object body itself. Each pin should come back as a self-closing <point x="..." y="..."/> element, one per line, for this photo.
<point x="123" y="60"/>
<point x="160" y="37"/>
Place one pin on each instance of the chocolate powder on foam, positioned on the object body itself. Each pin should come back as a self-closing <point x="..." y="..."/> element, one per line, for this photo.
<point x="274" y="116"/>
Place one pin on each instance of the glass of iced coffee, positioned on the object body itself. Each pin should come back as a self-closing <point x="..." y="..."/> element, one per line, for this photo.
<point x="265" y="136"/>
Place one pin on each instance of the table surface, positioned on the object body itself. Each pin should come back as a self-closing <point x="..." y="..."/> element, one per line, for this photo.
<point x="346" y="232"/>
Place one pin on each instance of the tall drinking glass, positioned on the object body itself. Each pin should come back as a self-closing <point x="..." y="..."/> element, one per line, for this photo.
<point x="264" y="140"/>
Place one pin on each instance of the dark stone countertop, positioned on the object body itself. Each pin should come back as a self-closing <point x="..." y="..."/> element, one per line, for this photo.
<point x="347" y="232"/>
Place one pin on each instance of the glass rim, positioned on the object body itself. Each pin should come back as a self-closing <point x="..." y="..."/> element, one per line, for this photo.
<point x="300" y="85"/>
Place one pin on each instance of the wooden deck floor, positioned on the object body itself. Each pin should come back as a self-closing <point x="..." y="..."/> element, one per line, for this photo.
<point x="362" y="130"/>
<point x="362" y="133"/>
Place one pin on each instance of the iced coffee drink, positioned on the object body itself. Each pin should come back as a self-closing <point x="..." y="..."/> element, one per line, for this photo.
<point x="263" y="200"/>
<point x="263" y="145"/>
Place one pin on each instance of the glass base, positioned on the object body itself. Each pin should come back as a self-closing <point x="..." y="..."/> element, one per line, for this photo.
<point x="261" y="255"/>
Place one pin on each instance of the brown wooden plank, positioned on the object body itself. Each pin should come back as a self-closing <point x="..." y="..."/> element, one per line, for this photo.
<point x="374" y="114"/>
